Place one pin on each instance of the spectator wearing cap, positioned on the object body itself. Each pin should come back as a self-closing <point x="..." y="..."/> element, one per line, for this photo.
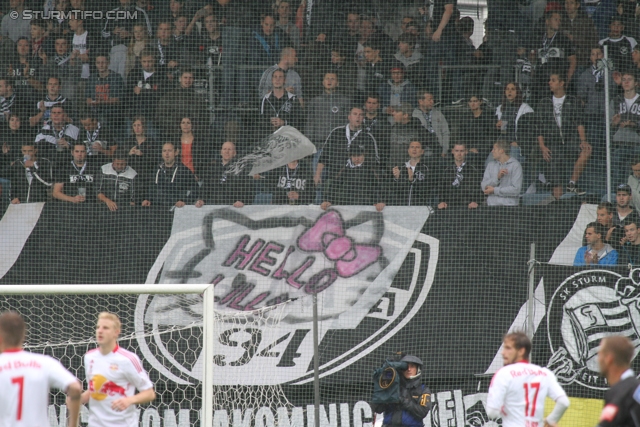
<point x="410" y="59"/>
<point x="431" y="119"/>
<point x="596" y="252"/>
<point x="634" y="183"/>
<point x="405" y="129"/>
<point x="623" y="204"/>
<point x="397" y="90"/>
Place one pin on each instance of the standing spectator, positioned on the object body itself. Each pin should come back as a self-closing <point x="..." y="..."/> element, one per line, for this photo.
<point x="145" y="89"/>
<point x="84" y="48"/>
<point x="68" y="69"/>
<point x="124" y="62"/>
<point x="15" y="28"/>
<point x="57" y="135"/>
<point x="278" y="107"/>
<point x="626" y="121"/>
<point x="75" y="179"/>
<point x="477" y="128"/>
<point x="195" y="152"/>
<point x="556" y="54"/>
<point x="318" y="20"/>
<point x="509" y="114"/>
<point x="183" y="101"/>
<point x="404" y="130"/>
<point x="223" y="187"/>
<point x="336" y="150"/>
<point x="413" y="182"/>
<point x="206" y="49"/>
<point x="434" y="122"/>
<point x="580" y="30"/>
<point x="620" y="45"/>
<point x="377" y="69"/>
<point x="293" y="82"/>
<point x="12" y="102"/>
<point x="502" y="181"/>
<point x="397" y="90"/>
<point x="53" y="97"/>
<point x="377" y="125"/>
<point x="117" y="183"/>
<point x="623" y="204"/>
<point x="327" y="111"/>
<point x="411" y="59"/>
<point x="284" y="23"/>
<point x="173" y="184"/>
<point x="168" y="55"/>
<point x="98" y="137"/>
<point x="264" y="47"/>
<point x="346" y="70"/>
<point x="459" y="181"/>
<point x="292" y="184"/>
<point x="562" y="139"/>
<point x="356" y="183"/>
<point x="144" y="153"/>
<point x="442" y="12"/>
<point x="105" y="90"/>
<point x="596" y="252"/>
<point x="630" y="252"/>
<point x="26" y="71"/>
<point x="120" y="31"/>
<point x="31" y="176"/>
<point x="634" y="183"/>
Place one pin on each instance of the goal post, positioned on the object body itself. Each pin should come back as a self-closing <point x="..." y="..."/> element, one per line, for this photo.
<point x="61" y="304"/>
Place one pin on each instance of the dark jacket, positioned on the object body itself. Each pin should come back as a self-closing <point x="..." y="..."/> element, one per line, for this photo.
<point x="335" y="151"/>
<point x="355" y="185"/>
<point x="300" y="180"/>
<point x="120" y="187"/>
<point x="41" y="181"/>
<point x="417" y="192"/>
<point x="455" y="192"/>
<point x="178" y="104"/>
<point x="415" y="403"/>
<point x="221" y="187"/>
<point x="153" y="90"/>
<point x="479" y="132"/>
<point x="171" y="185"/>
<point x="571" y="119"/>
<point x="286" y="108"/>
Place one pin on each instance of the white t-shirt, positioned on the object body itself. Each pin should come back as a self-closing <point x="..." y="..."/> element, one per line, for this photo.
<point x="519" y="390"/>
<point x="557" y="109"/>
<point x="25" y="380"/>
<point x="630" y="102"/>
<point x="111" y="377"/>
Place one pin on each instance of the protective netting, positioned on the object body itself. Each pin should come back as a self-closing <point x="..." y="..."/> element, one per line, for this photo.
<point x="396" y="159"/>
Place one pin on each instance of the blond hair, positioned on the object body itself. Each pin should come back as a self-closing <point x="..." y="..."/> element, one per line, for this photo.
<point x="110" y="316"/>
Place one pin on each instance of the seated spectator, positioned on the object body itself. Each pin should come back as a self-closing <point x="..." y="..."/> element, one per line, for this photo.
<point x="604" y="217"/>
<point x="62" y="65"/>
<point x="98" y="138"/>
<point x="459" y="181"/>
<point x="11" y="102"/>
<point x="144" y="154"/>
<point x="562" y="139"/>
<point x="336" y="150"/>
<point x="41" y="45"/>
<point x="356" y="183"/>
<point x="31" y="176"/>
<point x="178" y="33"/>
<point x="596" y="252"/>
<point x="26" y="70"/>
<point x="502" y="181"/>
<point x="57" y="135"/>
<point x="183" y="101"/>
<point x="140" y="42"/>
<point x="173" y="184"/>
<point x="404" y="129"/>
<point x="634" y="183"/>
<point x="434" y="122"/>
<point x="623" y="204"/>
<point x="293" y="83"/>
<point x="53" y="97"/>
<point x="396" y="90"/>
<point x="75" y="179"/>
<point x="291" y="184"/>
<point x="278" y="107"/>
<point x="285" y="23"/>
<point x="145" y="89"/>
<point x="620" y="45"/>
<point x="117" y="183"/>
<point x="630" y="252"/>
<point x="223" y="187"/>
<point x="412" y="182"/>
<point x="477" y="129"/>
<point x="12" y="136"/>
<point x="104" y="94"/>
<point x="411" y="60"/>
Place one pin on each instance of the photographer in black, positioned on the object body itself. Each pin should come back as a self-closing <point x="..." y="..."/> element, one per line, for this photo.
<point x="415" y="398"/>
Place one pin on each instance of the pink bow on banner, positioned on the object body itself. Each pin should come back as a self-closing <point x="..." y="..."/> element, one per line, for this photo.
<point x="327" y="235"/>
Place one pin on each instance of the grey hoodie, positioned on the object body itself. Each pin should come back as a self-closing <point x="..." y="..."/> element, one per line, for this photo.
<point x="506" y="189"/>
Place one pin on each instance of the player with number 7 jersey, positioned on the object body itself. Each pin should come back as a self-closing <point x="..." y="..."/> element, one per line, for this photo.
<point x="518" y="390"/>
<point x="25" y="380"/>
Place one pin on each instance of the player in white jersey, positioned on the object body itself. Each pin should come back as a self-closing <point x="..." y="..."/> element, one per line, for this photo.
<point x="25" y="380"/>
<point x="114" y="374"/>
<point x="518" y="390"/>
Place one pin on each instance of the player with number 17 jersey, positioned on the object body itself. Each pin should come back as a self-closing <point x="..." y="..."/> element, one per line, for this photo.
<point x="518" y="390"/>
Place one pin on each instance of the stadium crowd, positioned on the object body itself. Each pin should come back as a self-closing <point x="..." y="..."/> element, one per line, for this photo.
<point x="154" y="104"/>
